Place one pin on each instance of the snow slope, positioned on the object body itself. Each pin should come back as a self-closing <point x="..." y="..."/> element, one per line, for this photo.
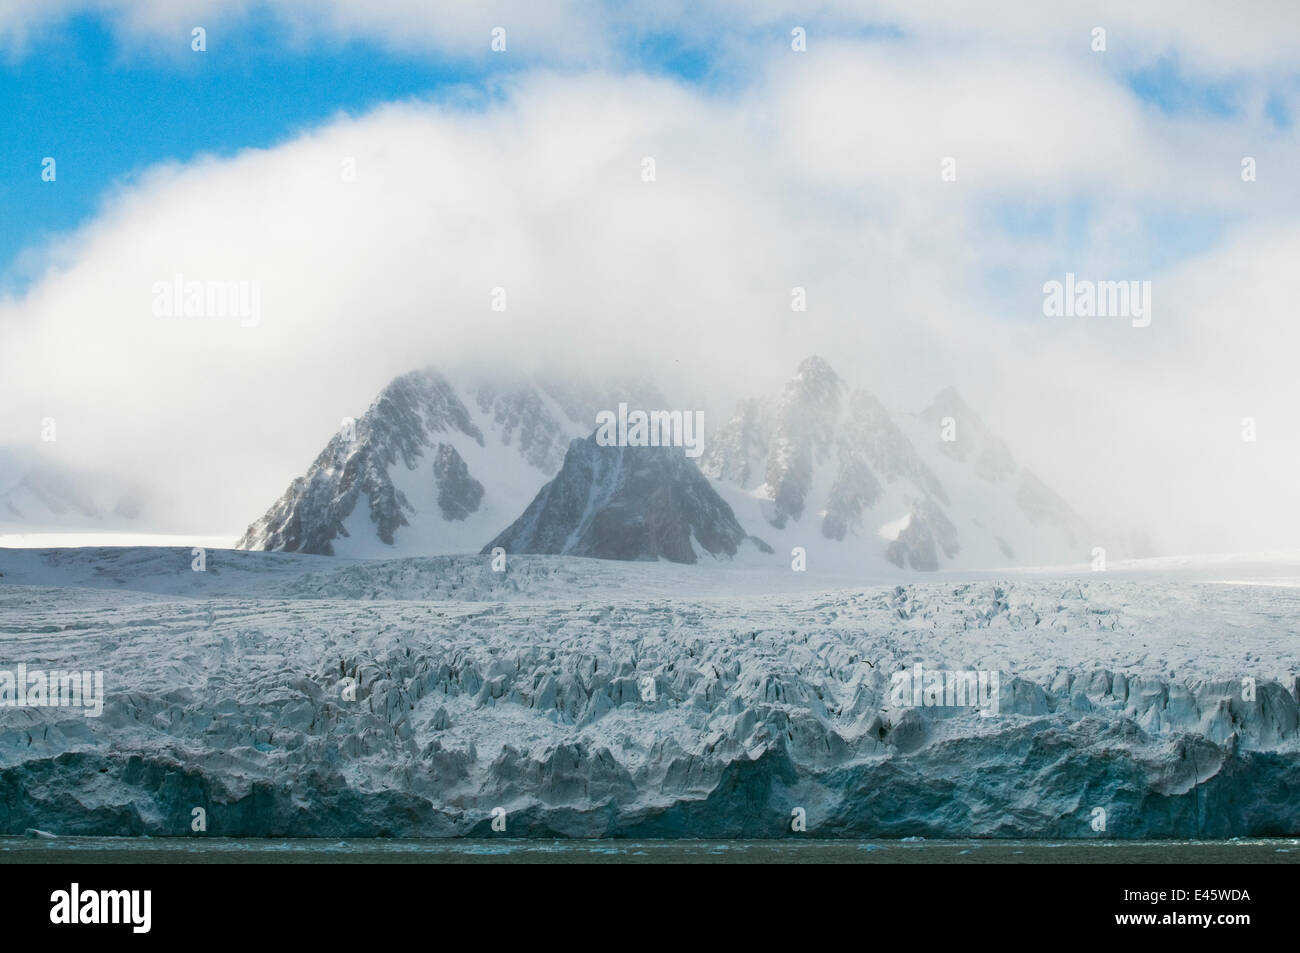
<point x="529" y="690"/>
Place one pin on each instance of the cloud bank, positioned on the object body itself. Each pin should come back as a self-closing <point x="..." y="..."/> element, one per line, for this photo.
<point x="376" y="243"/>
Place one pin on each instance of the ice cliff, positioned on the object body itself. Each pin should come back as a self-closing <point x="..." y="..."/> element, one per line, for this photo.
<point x="586" y="698"/>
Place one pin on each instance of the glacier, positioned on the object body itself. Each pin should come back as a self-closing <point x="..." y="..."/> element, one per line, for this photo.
<point x="290" y="695"/>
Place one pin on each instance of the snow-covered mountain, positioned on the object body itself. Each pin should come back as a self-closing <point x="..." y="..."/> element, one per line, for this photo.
<point x="438" y="467"/>
<point x="828" y="468"/>
<point x="40" y="494"/>
<point x="630" y="503"/>
<point x="435" y="466"/>
<point x="1029" y="520"/>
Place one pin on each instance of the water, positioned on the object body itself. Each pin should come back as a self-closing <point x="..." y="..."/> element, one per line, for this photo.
<point x="198" y="849"/>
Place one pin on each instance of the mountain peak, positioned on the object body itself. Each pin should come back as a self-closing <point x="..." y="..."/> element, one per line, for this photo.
<point x="815" y="369"/>
<point x="431" y="466"/>
<point x="969" y="437"/>
<point x="627" y="503"/>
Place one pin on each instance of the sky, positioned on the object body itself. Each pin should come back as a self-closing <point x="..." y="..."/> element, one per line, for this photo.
<point x="378" y="168"/>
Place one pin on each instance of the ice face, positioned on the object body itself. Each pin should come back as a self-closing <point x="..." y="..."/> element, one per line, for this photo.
<point x="305" y="696"/>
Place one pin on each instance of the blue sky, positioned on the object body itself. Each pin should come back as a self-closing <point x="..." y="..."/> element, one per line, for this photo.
<point x="106" y="110"/>
<point x="105" y="115"/>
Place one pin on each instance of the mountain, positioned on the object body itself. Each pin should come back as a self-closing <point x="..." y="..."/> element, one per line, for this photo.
<point x="438" y="466"/>
<point x="826" y="463"/>
<point x="1004" y="501"/>
<point x="435" y="466"/>
<point x="628" y="503"/>
<point x="38" y="493"/>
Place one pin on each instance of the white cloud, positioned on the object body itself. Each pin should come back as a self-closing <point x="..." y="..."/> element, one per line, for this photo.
<point x="823" y="172"/>
<point x="1215" y="37"/>
<point x="567" y="30"/>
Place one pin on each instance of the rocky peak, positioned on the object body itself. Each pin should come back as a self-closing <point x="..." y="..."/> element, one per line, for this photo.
<point x="628" y="503"/>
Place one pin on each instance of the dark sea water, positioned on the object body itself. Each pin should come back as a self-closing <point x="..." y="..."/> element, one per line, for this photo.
<point x="113" y="850"/>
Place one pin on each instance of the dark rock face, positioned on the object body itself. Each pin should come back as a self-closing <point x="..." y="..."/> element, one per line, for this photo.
<point x="804" y="434"/>
<point x="522" y="420"/>
<point x="855" y="489"/>
<point x="459" y="493"/>
<point x="627" y="503"/>
<point x="919" y="543"/>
